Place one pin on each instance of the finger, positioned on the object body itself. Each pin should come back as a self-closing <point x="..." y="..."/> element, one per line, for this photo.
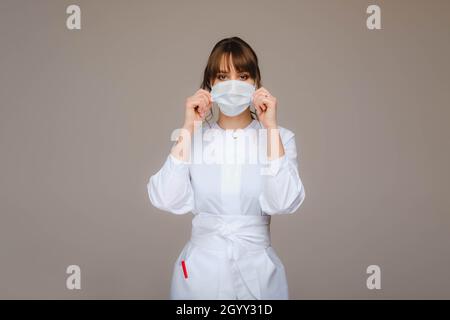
<point x="207" y="104"/>
<point x="204" y="98"/>
<point x="260" y="94"/>
<point x="265" y="93"/>
<point x="203" y="102"/>
<point x="257" y="93"/>
<point x="267" y="103"/>
<point x="260" y="105"/>
<point x="198" y="105"/>
<point x="207" y="95"/>
<point x="200" y="91"/>
<point x="262" y="102"/>
<point x="257" y="100"/>
<point x="258" y="109"/>
<point x="193" y="102"/>
<point x="267" y="98"/>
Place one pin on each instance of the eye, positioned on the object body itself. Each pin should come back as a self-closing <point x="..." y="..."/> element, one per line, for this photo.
<point x="221" y="77"/>
<point x="244" y="76"/>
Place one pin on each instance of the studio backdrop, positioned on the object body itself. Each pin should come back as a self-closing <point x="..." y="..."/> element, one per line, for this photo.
<point x="87" y="110"/>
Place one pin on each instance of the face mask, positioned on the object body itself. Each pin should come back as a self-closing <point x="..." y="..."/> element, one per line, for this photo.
<point x="232" y="96"/>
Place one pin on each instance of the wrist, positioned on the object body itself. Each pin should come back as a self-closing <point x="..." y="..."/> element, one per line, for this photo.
<point x="188" y="126"/>
<point x="272" y="125"/>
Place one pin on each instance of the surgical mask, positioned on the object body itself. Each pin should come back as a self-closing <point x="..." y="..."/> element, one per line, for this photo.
<point x="232" y="96"/>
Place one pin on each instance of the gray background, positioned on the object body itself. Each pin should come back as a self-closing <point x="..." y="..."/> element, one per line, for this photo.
<point x="86" y="115"/>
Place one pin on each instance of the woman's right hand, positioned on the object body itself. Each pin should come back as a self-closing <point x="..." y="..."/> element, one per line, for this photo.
<point x="197" y="107"/>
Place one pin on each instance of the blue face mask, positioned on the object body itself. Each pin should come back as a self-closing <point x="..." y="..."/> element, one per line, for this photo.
<point x="232" y="96"/>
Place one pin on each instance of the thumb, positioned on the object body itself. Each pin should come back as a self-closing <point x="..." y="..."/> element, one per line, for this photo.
<point x="258" y="110"/>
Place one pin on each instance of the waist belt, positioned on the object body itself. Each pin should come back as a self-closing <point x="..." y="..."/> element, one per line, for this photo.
<point x="237" y="237"/>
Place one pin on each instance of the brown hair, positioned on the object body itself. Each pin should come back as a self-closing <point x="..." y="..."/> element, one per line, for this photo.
<point x="243" y="57"/>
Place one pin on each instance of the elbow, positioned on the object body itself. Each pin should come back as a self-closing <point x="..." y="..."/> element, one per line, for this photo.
<point x="287" y="205"/>
<point x="167" y="201"/>
<point x="296" y="203"/>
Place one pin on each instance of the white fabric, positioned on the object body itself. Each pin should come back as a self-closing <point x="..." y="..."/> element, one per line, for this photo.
<point x="229" y="255"/>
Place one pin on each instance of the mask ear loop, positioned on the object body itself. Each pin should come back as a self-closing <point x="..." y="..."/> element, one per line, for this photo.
<point x="210" y="110"/>
<point x="251" y="104"/>
<point x="212" y="97"/>
<point x="251" y="98"/>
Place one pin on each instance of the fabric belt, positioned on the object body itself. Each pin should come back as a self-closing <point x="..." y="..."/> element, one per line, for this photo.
<point x="238" y="236"/>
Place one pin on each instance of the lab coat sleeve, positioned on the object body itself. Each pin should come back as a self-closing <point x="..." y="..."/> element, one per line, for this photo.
<point x="170" y="188"/>
<point x="282" y="188"/>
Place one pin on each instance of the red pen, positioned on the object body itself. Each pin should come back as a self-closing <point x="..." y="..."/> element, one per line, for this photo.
<point x="183" y="264"/>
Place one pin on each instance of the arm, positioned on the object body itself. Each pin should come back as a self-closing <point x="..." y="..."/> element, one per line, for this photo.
<point x="170" y="188"/>
<point x="282" y="189"/>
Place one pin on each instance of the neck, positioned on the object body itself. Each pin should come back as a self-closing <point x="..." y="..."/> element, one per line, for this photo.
<point x="238" y="122"/>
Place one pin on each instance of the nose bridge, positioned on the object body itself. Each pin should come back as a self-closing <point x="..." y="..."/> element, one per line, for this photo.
<point x="234" y="76"/>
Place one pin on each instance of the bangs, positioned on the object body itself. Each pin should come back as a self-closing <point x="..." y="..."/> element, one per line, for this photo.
<point x="237" y="60"/>
<point x="231" y="53"/>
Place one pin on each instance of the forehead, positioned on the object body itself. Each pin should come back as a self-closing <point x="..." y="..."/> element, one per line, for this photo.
<point x="226" y="64"/>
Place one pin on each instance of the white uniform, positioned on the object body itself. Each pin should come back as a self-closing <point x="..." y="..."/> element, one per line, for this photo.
<point x="229" y="255"/>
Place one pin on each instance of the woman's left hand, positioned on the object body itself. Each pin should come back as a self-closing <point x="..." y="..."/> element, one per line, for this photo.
<point x="266" y="107"/>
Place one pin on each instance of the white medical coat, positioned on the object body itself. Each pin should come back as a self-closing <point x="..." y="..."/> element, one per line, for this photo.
<point x="229" y="255"/>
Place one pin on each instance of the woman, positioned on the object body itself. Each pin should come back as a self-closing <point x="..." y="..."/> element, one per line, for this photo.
<point x="229" y="255"/>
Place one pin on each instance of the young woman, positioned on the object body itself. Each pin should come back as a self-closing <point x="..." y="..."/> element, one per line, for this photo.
<point x="229" y="255"/>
